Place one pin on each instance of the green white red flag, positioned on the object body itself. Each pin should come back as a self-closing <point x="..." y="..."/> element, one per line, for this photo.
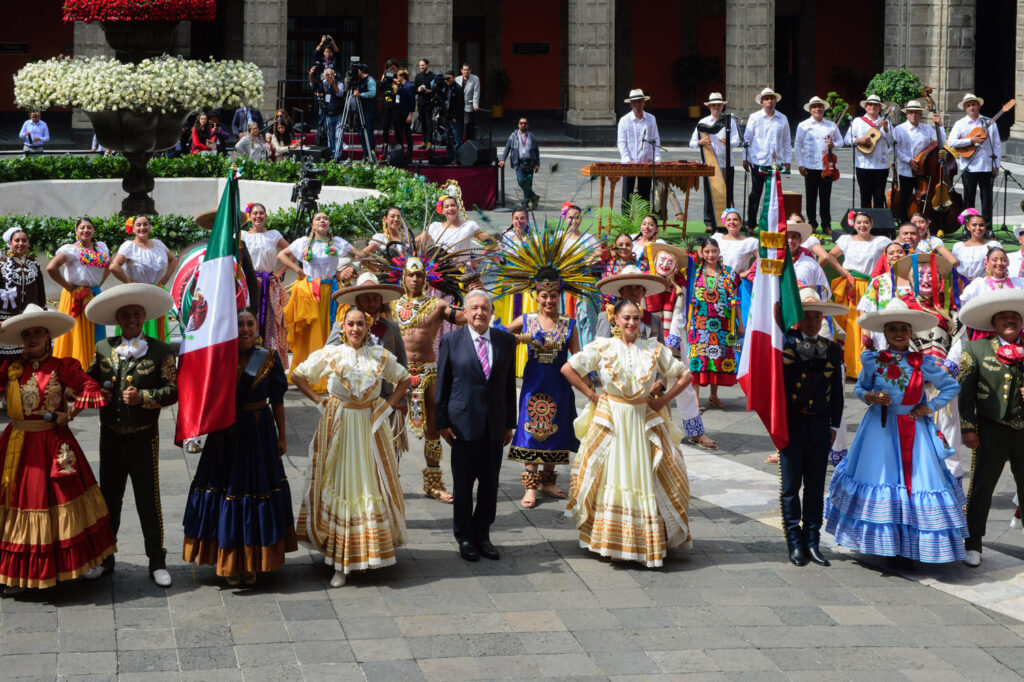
<point x="774" y="307"/>
<point x="209" y="346"/>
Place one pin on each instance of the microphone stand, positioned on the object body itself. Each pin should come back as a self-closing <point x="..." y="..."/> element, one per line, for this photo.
<point x="1008" y="175"/>
<point x="654" y="165"/>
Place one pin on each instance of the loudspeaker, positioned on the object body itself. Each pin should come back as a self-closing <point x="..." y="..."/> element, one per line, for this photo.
<point x="476" y="153"/>
<point x="884" y="222"/>
<point x="316" y="152"/>
<point x="396" y="156"/>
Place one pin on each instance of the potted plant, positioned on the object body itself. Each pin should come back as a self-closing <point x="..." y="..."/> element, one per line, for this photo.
<point x="502" y="82"/>
<point x="898" y="86"/>
<point x="688" y="72"/>
<point x="137" y="29"/>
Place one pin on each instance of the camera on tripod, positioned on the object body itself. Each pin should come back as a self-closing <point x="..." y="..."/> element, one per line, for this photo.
<point x="352" y="78"/>
<point x="306" y="191"/>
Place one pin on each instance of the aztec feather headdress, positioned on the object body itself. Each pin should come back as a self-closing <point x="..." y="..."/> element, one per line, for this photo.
<point x="552" y="260"/>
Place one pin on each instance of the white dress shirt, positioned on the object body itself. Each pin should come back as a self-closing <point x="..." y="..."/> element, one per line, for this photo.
<point x="878" y="159"/>
<point x="638" y="139"/>
<point x="718" y="140"/>
<point x="490" y="346"/>
<point x="981" y="162"/>
<point x="811" y="142"/>
<point x="909" y="141"/>
<point x="768" y="138"/>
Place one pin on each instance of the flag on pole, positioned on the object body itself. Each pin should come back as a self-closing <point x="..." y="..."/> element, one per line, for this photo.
<point x="209" y="345"/>
<point x="774" y="307"/>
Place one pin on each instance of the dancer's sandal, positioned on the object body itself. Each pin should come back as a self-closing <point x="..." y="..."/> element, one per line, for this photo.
<point x="548" y="485"/>
<point x="433" y="485"/>
<point x="531" y="481"/>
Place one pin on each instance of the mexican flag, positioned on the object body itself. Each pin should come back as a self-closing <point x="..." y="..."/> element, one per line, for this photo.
<point x="209" y="345"/>
<point x="774" y="307"/>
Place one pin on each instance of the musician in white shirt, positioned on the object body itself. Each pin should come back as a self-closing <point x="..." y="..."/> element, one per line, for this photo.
<point x="638" y="142"/>
<point x="768" y="142"/>
<point x="872" y="169"/>
<point x="983" y="166"/>
<point x="816" y="137"/>
<point x="910" y="138"/>
<point x="716" y="142"/>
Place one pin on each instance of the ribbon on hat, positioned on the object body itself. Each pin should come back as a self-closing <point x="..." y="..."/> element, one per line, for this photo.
<point x="916" y="274"/>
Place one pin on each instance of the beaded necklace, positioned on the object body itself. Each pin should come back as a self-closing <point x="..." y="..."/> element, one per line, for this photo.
<point x="330" y="250"/>
<point x="91" y="258"/>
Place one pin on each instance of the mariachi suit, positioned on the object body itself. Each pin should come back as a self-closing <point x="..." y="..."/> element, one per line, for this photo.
<point x="991" y="406"/>
<point x="479" y="410"/>
<point x="812" y="371"/>
<point x="129" y="434"/>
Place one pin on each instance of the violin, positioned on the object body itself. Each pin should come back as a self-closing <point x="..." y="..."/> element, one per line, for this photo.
<point x="829" y="171"/>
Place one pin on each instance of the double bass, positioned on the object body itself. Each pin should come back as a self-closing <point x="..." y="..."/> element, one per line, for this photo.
<point x="934" y="193"/>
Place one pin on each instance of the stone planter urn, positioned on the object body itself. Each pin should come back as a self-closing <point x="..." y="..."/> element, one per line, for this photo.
<point x="134" y="41"/>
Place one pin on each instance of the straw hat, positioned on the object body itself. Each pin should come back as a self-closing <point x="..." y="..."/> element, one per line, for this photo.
<point x="206" y="218"/>
<point x="942" y="266"/>
<point x="768" y="92"/>
<point x="815" y="100"/>
<point x="103" y="309"/>
<point x="1018" y="230"/>
<point x="658" y="247"/>
<point x="56" y="323"/>
<point x="897" y="311"/>
<point x="978" y="312"/>
<point x="715" y="98"/>
<point x="803" y="228"/>
<point x="367" y="284"/>
<point x="913" y="105"/>
<point x="635" y="94"/>
<point x="872" y="99"/>
<point x="629" y="276"/>
<point x="811" y="301"/>
<point x="971" y="97"/>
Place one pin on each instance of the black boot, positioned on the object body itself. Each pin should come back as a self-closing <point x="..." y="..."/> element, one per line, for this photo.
<point x="813" y="553"/>
<point x="797" y="547"/>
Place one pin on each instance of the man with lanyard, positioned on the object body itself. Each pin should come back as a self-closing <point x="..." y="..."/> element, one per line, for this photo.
<point x="138" y="375"/>
<point x="980" y="169"/>
<point x="910" y="138"/>
<point x="366" y="91"/>
<point x="638" y="142"/>
<point x="389" y="89"/>
<point x="716" y="144"/>
<point x="453" y="107"/>
<point x="522" y="145"/>
<point x="816" y="137"/>
<point x="872" y="169"/>
<point x="334" y="111"/>
<point x="424" y="106"/>
<point x="767" y="140"/>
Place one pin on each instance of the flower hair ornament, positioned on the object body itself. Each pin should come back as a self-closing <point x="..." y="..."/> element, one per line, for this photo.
<point x="451" y="190"/>
<point x="10" y="232"/>
<point x="565" y="207"/>
<point x="248" y="207"/>
<point x="967" y="215"/>
<point x="726" y="212"/>
<point x="129" y="225"/>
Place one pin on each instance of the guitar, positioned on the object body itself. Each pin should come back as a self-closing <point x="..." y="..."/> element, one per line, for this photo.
<point x="968" y="151"/>
<point x="874" y="133"/>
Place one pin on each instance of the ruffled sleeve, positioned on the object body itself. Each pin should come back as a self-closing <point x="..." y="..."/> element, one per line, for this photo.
<point x="843" y="242"/>
<point x="393" y="370"/>
<point x="947" y="386"/>
<point x="70" y="373"/>
<point x="343" y="247"/>
<point x="298" y="248"/>
<point x="589" y="358"/>
<point x="669" y="366"/>
<point x="314" y="368"/>
<point x="126" y="249"/>
<point x="866" y="379"/>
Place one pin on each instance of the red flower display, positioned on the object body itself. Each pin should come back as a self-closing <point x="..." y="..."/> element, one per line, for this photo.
<point x="139" y="10"/>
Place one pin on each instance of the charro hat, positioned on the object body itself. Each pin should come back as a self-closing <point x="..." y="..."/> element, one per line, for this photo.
<point x="815" y="100"/>
<point x="715" y="98"/>
<point x="897" y="311"/>
<point x="206" y="219"/>
<point x="631" y="275"/>
<point x="768" y="92"/>
<point x="103" y="309"/>
<point x="942" y="266"/>
<point x="635" y="94"/>
<point x="1018" y="230"/>
<point x="971" y="97"/>
<point x="978" y="312"/>
<point x="803" y="228"/>
<point x="56" y="323"/>
<point x="913" y="105"/>
<point x="872" y="99"/>
<point x="367" y="284"/>
<point x="811" y="301"/>
<point x="658" y="247"/>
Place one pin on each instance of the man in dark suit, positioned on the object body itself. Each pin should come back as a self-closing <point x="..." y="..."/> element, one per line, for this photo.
<point x="476" y="414"/>
<point x="242" y="118"/>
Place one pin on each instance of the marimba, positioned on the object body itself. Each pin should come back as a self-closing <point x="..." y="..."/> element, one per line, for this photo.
<point x="682" y="174"/>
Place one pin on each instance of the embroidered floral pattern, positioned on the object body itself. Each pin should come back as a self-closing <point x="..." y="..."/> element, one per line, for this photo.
<point x="541" y="409"/>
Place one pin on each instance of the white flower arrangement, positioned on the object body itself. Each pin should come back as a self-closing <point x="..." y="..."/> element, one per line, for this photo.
<point x="163" y="84"/>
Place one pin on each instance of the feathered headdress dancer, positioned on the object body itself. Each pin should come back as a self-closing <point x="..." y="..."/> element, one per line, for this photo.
<point x="552" y="260"/>
<point x="442" y="269"/>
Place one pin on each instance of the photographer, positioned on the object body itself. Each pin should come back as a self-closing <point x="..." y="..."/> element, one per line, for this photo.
<point x="326" y="58"/>
<point x="330" y="90"/>
<point x="453" y="109"/>
<point x="389" y="92"/>
<point x="405" y="97"/>
<point x="366" y="90"/>
<point x="424" y="102"/>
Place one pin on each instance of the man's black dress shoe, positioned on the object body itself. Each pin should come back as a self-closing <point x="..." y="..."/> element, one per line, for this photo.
<point x="487" y="550"/>
<point x="468" y="551"/>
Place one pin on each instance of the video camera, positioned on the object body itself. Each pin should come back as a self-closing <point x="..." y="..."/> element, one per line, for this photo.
<point x="306" y="191"/>
<point x="352" y="78"/>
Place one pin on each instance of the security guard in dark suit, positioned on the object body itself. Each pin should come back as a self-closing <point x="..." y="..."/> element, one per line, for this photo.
<point x="813" y="375"/>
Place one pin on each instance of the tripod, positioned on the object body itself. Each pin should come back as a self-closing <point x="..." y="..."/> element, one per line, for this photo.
<point x="352" y="102"/>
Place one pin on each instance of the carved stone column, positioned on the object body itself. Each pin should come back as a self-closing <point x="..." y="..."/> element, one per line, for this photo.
<point x="591" y="41"/>
<point x="749" y="52"/>
<point x="430" y="34"/>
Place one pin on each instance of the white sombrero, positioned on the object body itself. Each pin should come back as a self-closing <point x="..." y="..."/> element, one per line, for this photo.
<point x="56" y="323"/>
<point x="811" y="301"/>
<point x="629" y="276"/>
<point x="768" y="92"/>
<point x="913" y="105"/>
<point x="154" y="300"/>
<point x="872" y="99"/>
<point x="978" y="312"/>
<point x="715" y="98"/>
<point x="804" y="229"/>
<point x="897" y="311"/>
<point x="813" y="101"/>
<point x="367" y="284"/>
<point x="942" y="266"/>
<point x="970" y="97"/>
<point x="658" y="247"/>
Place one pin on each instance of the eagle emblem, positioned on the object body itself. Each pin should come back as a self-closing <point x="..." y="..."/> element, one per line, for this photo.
<point x="197" y="314"/>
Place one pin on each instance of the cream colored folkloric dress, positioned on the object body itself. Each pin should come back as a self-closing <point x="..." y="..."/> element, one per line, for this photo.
<point x="629" y="495"/>
<point x="352" y="509"/>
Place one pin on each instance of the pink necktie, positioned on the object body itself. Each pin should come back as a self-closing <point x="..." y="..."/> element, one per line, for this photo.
<point x="481" y="352"/>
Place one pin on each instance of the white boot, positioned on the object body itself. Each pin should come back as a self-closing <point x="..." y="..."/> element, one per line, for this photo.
<point x="339" y="579"/>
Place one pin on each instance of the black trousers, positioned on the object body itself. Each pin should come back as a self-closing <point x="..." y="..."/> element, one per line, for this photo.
<point x="134" y="455"/>
<point x="803" y="464"/>
<point x="404" y="132"/>
<point x="817" y="188"/>
<point x="757" y="180"/>
<point x="475" y="461"/>
<point x="871" y="182"/>
<point x="972" y="182"/>
<point x="907" y="186"/>
<point x="389" y="121"/>
<point x="997" y="444"/>
<point x="642" y="187"/>
<point x="709" y="209"/>
<point x="469" y="125"/>
<point x="426" y="119"/>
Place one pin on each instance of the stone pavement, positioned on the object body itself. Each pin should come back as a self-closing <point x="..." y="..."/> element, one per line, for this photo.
<point x="730" y="608"/>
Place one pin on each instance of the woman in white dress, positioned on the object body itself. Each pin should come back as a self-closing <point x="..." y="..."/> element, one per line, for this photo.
<point x="860" y="252"/>
<point x="320" y="261"/>
<point x="263" y="246"/>
<point x="142" y="260"/>
<point x="648" y="235"/>
<point x="352" y="508"/>
<point x="972" y="252"/>
<point x="629" y="493"/>
<point x="391" y="231"/>
<point x="739" y="253"/>
<point x="79" y="268"/>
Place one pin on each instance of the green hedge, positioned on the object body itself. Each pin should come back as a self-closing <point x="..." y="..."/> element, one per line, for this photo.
<point x="358" y="219"/>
